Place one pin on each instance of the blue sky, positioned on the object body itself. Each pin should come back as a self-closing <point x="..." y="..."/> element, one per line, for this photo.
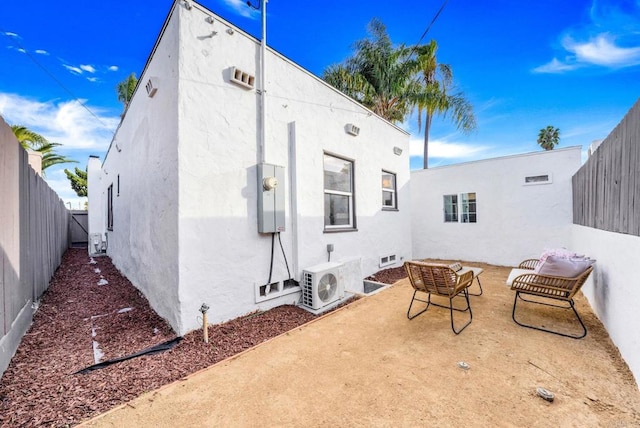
<point x="523" y="65"/>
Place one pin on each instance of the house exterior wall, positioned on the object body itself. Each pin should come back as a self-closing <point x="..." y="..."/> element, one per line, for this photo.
<point x="142" y="167"/>
<point x="185" y="222"/>
<point x="611" y="289"/>
<point x="515" y="221"/>
<point x="223" y="258"/>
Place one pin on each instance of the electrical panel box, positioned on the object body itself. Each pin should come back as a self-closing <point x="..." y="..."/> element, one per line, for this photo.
<point x="271" y="194"/>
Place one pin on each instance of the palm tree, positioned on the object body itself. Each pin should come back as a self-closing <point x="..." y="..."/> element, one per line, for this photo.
<point x="30" y="140"/>
<point x="435" y="95"/>
<point x="125" y="89"/>
<point x="549" y="137"/>
<point x="391" y="81"/>
<point x="78" y="181"/>
<point x="377" y="75"/>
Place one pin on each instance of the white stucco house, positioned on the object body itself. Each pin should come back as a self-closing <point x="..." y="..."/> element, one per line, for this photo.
<point x="197" y="203"/>
<point x="500" y="211"/>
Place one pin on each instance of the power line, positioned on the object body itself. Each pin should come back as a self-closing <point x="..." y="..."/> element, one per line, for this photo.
<point x="444" y="3"/>
<point x="48" y="73"/>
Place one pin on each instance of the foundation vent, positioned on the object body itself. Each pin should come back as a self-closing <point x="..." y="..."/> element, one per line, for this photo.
<point x="242" y="78"/>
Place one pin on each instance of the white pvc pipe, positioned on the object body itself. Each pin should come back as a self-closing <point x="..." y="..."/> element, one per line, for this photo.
<point x="263" y="82"/>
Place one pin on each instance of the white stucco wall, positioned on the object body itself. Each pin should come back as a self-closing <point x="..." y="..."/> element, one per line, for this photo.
<point x="223" y="259"/>
<point x="96" y="212"/>
<point x="142" y="166"/>
<point x="514" y="221"/>
<point x="185" y="221"/>
<point x="611" y="290"/>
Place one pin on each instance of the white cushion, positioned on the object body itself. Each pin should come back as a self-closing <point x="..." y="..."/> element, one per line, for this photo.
<point x="516" y="273"/>
<point x="564" y="267"/>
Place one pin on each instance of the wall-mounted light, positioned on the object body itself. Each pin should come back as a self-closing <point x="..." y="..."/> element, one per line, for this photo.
<point x="397" y="151"/>
<point x="230" y="31"/>
<point x="187" y="5"/>
<point x="210" y="19"/>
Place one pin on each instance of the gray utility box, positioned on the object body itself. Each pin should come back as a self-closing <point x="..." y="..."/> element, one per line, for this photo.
<point x="271" y="194"/>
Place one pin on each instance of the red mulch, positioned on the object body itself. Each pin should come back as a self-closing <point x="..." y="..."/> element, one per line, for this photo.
<point x="39" y="387"/>
<point x="388" y="276"/>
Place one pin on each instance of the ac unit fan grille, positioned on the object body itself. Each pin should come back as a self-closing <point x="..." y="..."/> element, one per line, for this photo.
<point x="327" y="287"/>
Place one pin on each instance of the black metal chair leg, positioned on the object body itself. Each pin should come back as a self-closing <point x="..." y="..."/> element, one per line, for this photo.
<point x="571" y="306"/>
<point x="451" y="309"/>
<point x="428" y="302"/>
<point x="479" y="285"/>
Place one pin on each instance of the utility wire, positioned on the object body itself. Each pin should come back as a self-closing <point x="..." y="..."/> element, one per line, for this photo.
<point x="444" y="3"/>
<point x="48" y="73"/>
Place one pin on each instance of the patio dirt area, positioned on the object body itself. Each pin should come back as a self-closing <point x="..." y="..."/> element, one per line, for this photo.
<point x="366" y="364"/>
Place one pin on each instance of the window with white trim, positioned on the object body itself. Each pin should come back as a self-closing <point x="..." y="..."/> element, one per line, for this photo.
<point x="450" y="208"/>
<point x="338" y="193"/>
<point x="110" y="207"/>
<point x="389" y="195"/>
<point x="460" y="208"/>
<point x="468" y="205"/>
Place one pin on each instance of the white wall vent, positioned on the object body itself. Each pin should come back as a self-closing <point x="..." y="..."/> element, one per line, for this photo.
<point x="387" y="260"/>
<point x="321" y="285"/>
<point x="242" y="78"/>
<point x="152" y="87"/>
<point x="352" y="129"/>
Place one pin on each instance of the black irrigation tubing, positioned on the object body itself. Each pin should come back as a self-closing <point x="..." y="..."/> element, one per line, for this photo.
<point x="165" y="346"/>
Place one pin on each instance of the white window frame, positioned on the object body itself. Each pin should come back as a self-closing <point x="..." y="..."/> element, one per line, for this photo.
<point x="450" y="204"/>
<point x="351" y="225"/>
<point x="461" y="208"/>
<point x="466" y="215"/>
<point x="110" y="207"/>
<point x="536" y="179"/>
<point x="390" y="190"/>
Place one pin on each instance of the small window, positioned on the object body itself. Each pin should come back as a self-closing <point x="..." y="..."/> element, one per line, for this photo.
<point x="389" y="195"/>
<point x="450" y="208"/>
<point x="338" y="193"/>
<point x="110" y="207"/>
<point x="537" y="179"/>
<point x="468" y="202"/>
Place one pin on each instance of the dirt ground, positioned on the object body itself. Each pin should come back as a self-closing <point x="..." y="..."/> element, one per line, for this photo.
<point x="368" y="365"/>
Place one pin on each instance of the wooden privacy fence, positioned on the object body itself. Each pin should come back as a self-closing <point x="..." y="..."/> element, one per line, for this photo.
<point x="34" y="234"/>
<point x="606" y="190"/>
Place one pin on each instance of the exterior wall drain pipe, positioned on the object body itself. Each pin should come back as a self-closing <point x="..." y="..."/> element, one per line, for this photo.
<point x="205" y="324"/>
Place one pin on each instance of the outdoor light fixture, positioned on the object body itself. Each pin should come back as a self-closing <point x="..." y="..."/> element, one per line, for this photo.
<point x="397" y="151"/>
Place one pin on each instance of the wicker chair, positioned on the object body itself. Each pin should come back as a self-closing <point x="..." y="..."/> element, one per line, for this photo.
<point x="526" y="282"/>
<point x="439" y="280"/>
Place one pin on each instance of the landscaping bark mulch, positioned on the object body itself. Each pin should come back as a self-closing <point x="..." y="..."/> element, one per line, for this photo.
<point x="92" y="311"/>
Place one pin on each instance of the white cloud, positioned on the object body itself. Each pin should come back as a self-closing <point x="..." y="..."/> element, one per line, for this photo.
<point x="242" y="9"/>
<point x="113" y="68"/>
<point x="446" y="150"/>
<point x="602" y="50"/>
<point x="67" y="123"/>
<point x="610" y="39"/>
<point x="92" y="79"/>
<point x="21" y="50"/>
<point x="72" y="69"/>
<point x="88" y="68"/>
<point x="10" y="34"/>
<point x="555" y="66"/>
<point x="41" y="52"/>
